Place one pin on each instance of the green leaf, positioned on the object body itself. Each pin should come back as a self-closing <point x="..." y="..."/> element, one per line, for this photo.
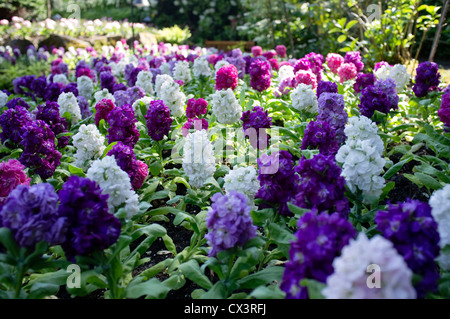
<point x="261" y="278"/>
<point x="7" y="239"/>
<point x="314" y="288"/>
<point x="218" y="291"/>
<point x="341" y="38"/>
<point x="152" y="288"/>
<point x="428" y="181"/>
<point x="280" y="234"/>
<point x="395" y="168"/>
<point x="109" y="147"/>
<point x="298" y="211"/>
<point x="76" y="171"/>
<point x="268" y="292"/>
<point x="155" y="168"/>
<point x="192" y="271"/>
<point x="41" y="289"/>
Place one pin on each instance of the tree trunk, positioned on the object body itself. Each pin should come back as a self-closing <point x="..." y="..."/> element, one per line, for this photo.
<point x="49" y="9"/>
<point x="438" y="30"/>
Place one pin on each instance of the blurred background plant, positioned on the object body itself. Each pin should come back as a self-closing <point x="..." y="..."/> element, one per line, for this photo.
<point x="394" y="31"/>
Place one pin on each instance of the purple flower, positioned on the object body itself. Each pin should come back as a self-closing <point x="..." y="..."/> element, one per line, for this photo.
<point x="259" y="71"/>
<point x="107" y="81"/>
<point x="17" y="101"/>
<point x="13" y="122"/>
<point x="38" y="86"/>
<point x="255" y="122"/>
<point x="320" y="135"/>
<point x="90" y="226"/>
<point x="239" y="62"/>
<point x="49" y="113"/>
<point x="332" y="110"/>
<point x="363" y="80"/>
<point x="194" y="123"/>
<point x="196" y="108"/>
<point x="158" y="120"/>
<point x="126" y="160"/>
<point x="316" y="60"/>
<point x="275" y="172"/>
<point x="52" y="91"/>
<point x="84" y="107"/>
<point x="381" y="97"/>
<point x="413" y="231"/>
<point x="71" y="88"/>
<point x="318" y="241"/>
<point x="122" y="125"/>
<point x="30" y="212"/>
<point x="378" y="65"/>
<point x="281" y="51"/>
<point x="444" y="111"/>
<point x="326" y="86"/>
<point x="321" y="185"/>
<point x="355" y="58"/>
<point x="302" y="64"/>
<point x="21" y="83"/>
<point x="102" y="110"/>
<point x="427" y="78"/>
<point x="229" y="222"/>
<point x="12" y="174"/>
<point x="39" y="150"/>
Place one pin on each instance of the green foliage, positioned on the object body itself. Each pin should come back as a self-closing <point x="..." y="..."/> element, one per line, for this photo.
<point x="174" y="35"/>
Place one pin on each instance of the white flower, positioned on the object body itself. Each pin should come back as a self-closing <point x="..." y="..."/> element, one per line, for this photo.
<point x="285" y="71"/>
<point x="198" y="158"/>
<point x="166" y="68"/>
<point x="3" y="99"/>
<point x="362" y="158"/>
<point x="90" y="145"/>
<point x="201" y="67"/>
<point x="144" y="80"/>
<point x="116" y="183"/>
<point x="173" y="98"/>
<point x="440" y="209"/>
<point x="85" y="86"/>
<point x="60" y="78"/>
<point x="304" y="98"/>
<point x="226" y="107"/>
<point x="243" y="180"/>
<point x="182" y="71"/>
<point x="68" y="103"/>
<point x="351" y="280"/>
<point x="398" y="73"/>
<point x="160" y="79"/>
<point x="103" y="94"/>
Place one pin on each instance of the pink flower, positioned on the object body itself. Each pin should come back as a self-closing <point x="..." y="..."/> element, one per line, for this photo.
<point x="306" y="77"/>
<point x="140" y="175"/>
<point x="274" y="63"/>
<point x="227" y="77"/>
<point x="281" y="51"/>
<point x="334" y="61"/>
<point x="192" y="123"/>
<point x="4" y="22"/>
<point x="256" y="51"/>
<point x="347" y="71"/>
<point x="12" y="174"/>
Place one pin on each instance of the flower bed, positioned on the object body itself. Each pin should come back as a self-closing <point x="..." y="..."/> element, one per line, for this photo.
<point x="177" y="172"/>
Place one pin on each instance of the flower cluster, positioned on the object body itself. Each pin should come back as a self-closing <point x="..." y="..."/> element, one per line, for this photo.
<point x="31" y="213"/>
<point x="196" y="107"/>
<point x="381" y="97"/>
<point x="89" y="225"/>
<point x="122" y="125"/>
<point x="225" y="106"/>
<point x="275" y="172"/>
<point x="182" y="71"/>
<point x="320" y="135"/>
<point x="326" y="86"/>
<point x="158" y="120"/>
<point x="229" y="222"/>
<point x="260" y="78"/>
<point x="427" y="78"/>
<point x="305" y="77"/>
<point x="49" y="113"/>
<point x="321" y="185"/>
<point x="198" y="158"/>
<point x="12" y="174"/>
<point x="347" y="71"/>
<point x="126" y="159"/>
<point x="116" y="183"/>
<point x="39" y="149"/>
<point x="145" y="81"/>
<point x="363" y="80"/>
<point x="362" y="157"/>
<point x="332" y="110"/>
<point x="413" y="231"/>
<point x="318" y="241"/>
<point x="13" y="122"/>
<point x="85" y="86"/>
<point x="439" y="202"/>
<point x="397" y="72"/>
<point x="89" y="144"/>
<point x="254" y="122"/>
<point x="304" y="98"/>
<point x="194" y="123"/>
<point x="201" y="68"/>
<point x="334" y="61"/>
<point x="350" y="277"/>
<point x="227" y="77"/>
<point x="169" y="91"/>
<point x="243" y="180"/>
<point x="444" y="111"/>
<point x="68" y="103"/>
<point x="354" y="57"/>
